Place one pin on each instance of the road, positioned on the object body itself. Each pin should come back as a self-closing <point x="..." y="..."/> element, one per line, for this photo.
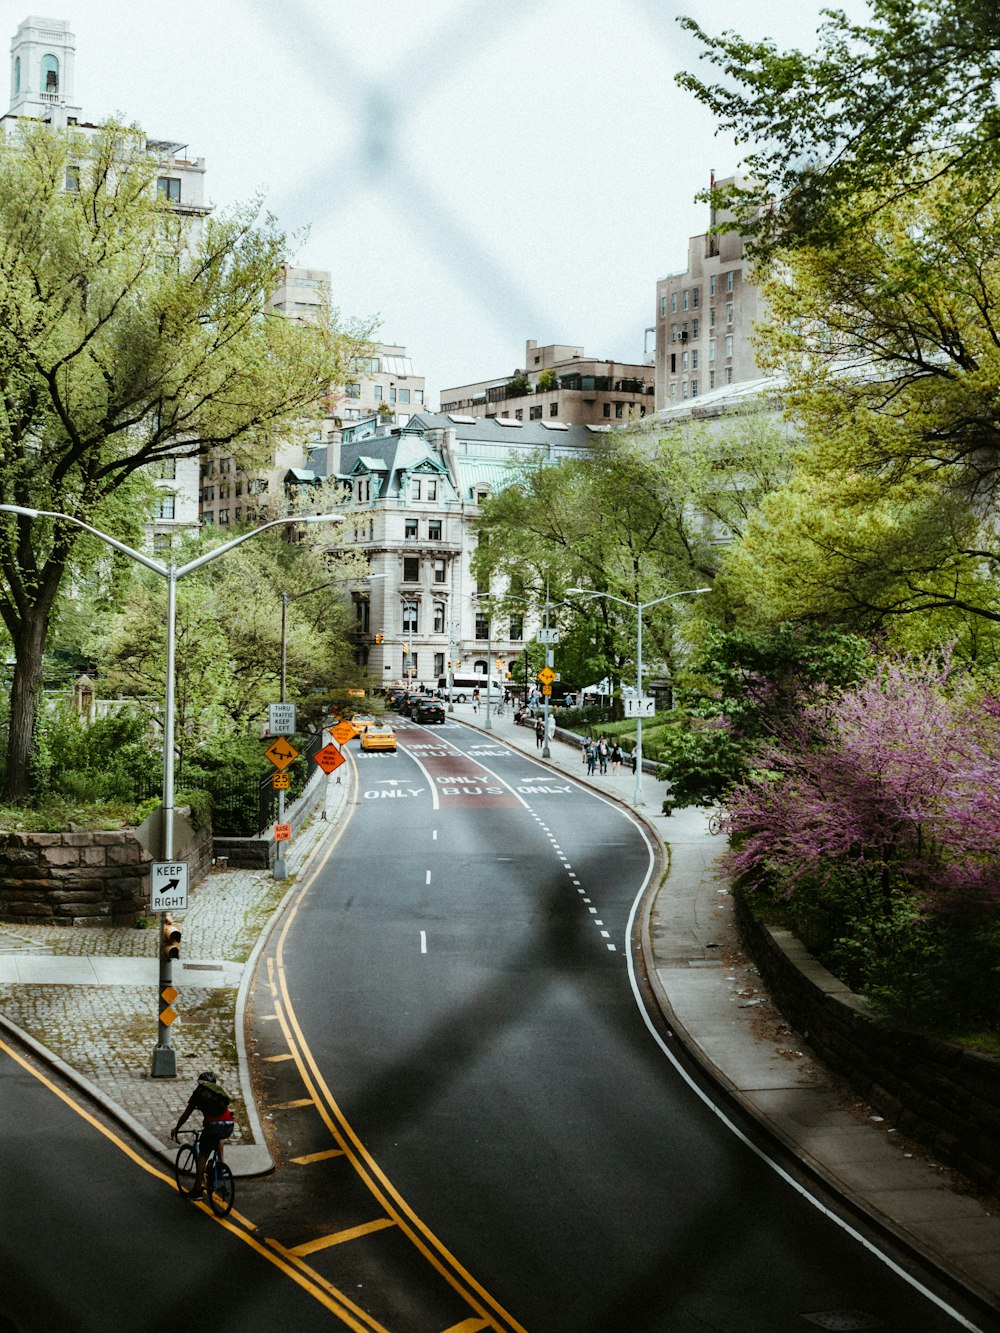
<point x="486" y="1134"/>
<point x="93" y="1236"/>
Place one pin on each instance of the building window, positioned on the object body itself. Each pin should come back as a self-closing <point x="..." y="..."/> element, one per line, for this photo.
<point x="164" y="507"/>
<point x="517" y="629"/>
<point x="439" y="617"/>
<point x="73" y="179"/>
<point x="673" y="303"/>
<point x="729" y="280"/>
<point x="673" y="392"/>
<point x="694" y="328"/>
<point x="729" y="344"/>
<point x="411" y="569"/>
<point x="439" y="571"/>
<point x="207" y="493"/>
<point x="434" y="530"/>
<point x="223" y="515"/>
<point x="17" y="74"/>
<point x="607" y="409"/>
<point x="694" y="358"/>
<point x="432" y="490"/>
<point x="685" y="361"/>
<point x="619" y="408"/>
<point x="208" y="518"/>
<point x="415" y="489"/>
<point x="392" y="393"/>
<point x="162" y="542"/>
<point x="711" y="349"/>
<point x="439" y="664"/>
<point x="411" y="530"/>
<point x="482" y="626"/>
<point x="169" y="188"/>
<point x="711" y="379"/>
<point x="684" y="390"/>
<point x="685" y="298"/>
<point x="729" y="374"/>
<point x="404" y="395"/>
<point x="50" y="76"/>
<point x="410" y="618"/>
<point x="712" y="284"/>
<point x="729" y="312"/>
<point x="554" y="409"/>
<point x="226" y="465"/>
<point x="418" y="396"/>
<point x="694" y="388"/>
<point x="378" y="393"/>
<point x="695" y="297"/>
<point x="353" y="390"/>
<point x="535" y="413"/>
<point x="519" y="413"/>
<point x="711" y="317"/>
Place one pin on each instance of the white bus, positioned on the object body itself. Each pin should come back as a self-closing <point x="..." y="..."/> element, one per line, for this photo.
<point x="463" y="685"/>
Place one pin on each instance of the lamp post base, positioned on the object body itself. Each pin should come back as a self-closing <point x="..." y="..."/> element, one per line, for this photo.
<point x="164" y="1062"/>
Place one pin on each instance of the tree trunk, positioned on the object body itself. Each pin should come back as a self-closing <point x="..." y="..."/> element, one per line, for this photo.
<point x="25" y="700"/>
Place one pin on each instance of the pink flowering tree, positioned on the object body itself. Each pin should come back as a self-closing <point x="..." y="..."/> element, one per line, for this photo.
<point x="874" y="818"/>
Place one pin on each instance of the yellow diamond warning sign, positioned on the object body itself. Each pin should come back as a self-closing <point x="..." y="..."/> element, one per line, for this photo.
<point x="546" y="675"/>
<point x="281" y="752"/>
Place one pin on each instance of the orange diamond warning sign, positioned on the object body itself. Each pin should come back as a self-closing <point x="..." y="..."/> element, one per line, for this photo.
<point x="329" y="758"/>
<point x="344" y="731"/>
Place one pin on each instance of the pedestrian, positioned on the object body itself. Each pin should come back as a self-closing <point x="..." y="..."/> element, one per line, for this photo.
<point x="591" y="756"/>
<point x="633" y="761"/>
<point x="603" y="750"/>
<point x="539" y="732"/>
<point x="551" y="729"/>
<point x="588" y="741"/>
<point x="616" y="758"/>
<point x="475" y="701"/>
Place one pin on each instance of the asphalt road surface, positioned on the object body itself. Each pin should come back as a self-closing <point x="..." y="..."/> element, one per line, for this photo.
<point x="485" y="1131"/>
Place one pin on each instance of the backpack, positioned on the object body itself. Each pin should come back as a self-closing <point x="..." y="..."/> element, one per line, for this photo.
<point x="213" y="1099"/>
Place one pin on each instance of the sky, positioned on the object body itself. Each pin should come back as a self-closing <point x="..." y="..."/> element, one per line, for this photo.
<point x="472" y="173"/>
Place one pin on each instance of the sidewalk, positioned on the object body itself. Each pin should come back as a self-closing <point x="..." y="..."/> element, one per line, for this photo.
<point x="93" y="1014"/>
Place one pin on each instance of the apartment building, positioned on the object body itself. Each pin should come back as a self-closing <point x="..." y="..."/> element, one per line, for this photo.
<point x="411" y="495"/>
<point x="558" y="383"/>
<point x="705" y="319"/>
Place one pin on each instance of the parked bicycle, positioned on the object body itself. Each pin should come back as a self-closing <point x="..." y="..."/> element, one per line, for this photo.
<point x="220" y="1188"/>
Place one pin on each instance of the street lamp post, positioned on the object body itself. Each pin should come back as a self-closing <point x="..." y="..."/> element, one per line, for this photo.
<point x="164" y="1056"/>
<point x="638" y="608"/>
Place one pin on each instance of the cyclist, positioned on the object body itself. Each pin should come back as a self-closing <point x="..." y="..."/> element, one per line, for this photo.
<point x="215" y="1105"/>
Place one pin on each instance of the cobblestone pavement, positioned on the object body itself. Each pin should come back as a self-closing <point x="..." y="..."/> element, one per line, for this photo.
<point x="106" y="1033"/>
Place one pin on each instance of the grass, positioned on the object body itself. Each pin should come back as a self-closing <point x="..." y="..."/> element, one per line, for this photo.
<point x="61" y="814"/>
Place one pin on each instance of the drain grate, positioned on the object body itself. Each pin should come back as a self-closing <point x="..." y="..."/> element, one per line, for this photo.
<point x="844" y="1319"/>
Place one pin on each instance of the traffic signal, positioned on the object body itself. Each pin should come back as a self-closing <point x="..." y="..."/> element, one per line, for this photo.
<point x="170" y="938"/>
<point x="379" y="636"/>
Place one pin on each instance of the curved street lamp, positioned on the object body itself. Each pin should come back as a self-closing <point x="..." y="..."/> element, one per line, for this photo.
<point x="164" y="1056"/>
<point x="638" y="608"/>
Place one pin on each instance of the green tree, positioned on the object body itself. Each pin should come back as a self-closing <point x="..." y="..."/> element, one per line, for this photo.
<point x="641" y="514"/>
<point x="913" y="88"/>
<point x="128" y="333"/>
<point x="889" y="345"/>
<point x="228" y="638"/>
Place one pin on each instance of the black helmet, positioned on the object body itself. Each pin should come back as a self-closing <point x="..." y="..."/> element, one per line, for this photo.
<point x="208" y="1077"/>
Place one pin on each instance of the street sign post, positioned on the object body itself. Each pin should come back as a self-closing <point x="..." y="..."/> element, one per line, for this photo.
<point x="546" y="675"/>
<point x="168" y="886"/>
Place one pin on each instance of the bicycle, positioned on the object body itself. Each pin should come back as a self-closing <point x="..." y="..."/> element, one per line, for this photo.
<point x="220" y="1188"/>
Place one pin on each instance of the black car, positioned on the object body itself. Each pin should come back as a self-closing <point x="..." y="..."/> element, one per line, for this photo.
<point x="426" y="709"/>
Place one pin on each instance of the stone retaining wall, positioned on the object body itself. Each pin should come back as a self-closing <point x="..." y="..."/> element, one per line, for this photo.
<point x="943" y="1096"/>
<point x="83" y="879"/>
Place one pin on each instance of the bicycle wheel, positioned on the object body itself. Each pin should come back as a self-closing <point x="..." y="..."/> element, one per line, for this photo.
<point x="222" y="1195"/>
<point x="185" y="1168"/>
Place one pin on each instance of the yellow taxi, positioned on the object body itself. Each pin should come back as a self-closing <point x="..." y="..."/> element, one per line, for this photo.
<point x="378" y="737"/>
<point x="362" y="721"/>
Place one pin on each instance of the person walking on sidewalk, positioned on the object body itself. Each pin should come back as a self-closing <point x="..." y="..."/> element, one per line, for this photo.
<point x="590" y="755"/>
<point x="217" y="1122"/>
<point x="539" y="732"/>
<point x="603" y="750"/>
<point x="588" y="742"/>
<point x="616" y="758"/>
